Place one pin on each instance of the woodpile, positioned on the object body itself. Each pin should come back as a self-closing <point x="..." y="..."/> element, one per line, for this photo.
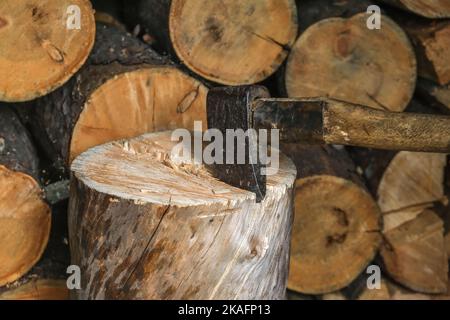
<point x="92" y="90"/>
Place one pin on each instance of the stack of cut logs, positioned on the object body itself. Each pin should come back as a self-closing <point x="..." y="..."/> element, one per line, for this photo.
<point x="90" y="90"/>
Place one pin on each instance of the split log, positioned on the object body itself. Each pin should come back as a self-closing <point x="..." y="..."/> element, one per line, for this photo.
<point x="145" y="225"/>
<point x="414" y="254"/>
<point x="125" y="90"/>
<point x="437" y="97"/>
<point x="24" y="216"/>
<point x="228" y="42"/>
<point x="404" y="183"/>
<point x="425" y="8"/>
<point x="411" y="183"/>
<point x="431" y="41"/>
<point x="341" y="58"/>
<point x="39" y="51"/>
<point x="46" y="280"/>
<point x="336" y="226"/>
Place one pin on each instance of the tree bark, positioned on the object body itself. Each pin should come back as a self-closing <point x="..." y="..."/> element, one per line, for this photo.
<point x="341" y="58"/>
<point x="336" y="221"/>
<point x="126" y="89"/>
<point x="24" y="216"/>
<point x="144" y="225"/>
<point x="227" y="42"/>
<point x="39" y="51"/>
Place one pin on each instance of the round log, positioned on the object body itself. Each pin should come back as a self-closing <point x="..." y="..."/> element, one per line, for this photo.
<point x="24" y="216"/>
<point x="47" y="279"/>
<point x="40" y="50"/>
<point x="336" y="230"/>
<point x="228" y="42"/>
<point x="340" y="58"/>
<point x="144" y="225"/>
<point x="414" y="254"/>
<point x="425" y="8"/>
<point x="410" y="183"/>
<point x="125" y="90"/>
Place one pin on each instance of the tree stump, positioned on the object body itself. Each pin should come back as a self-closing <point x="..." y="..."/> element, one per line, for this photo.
<point x="125" y="90"/>
<point x="341" y="58"/>
<point x="336" y="230"/>
<point x="143" y="225"/>
<point x="24" y="216"/>
<point x="39" y="52"/>
<point x="228" y="42"/>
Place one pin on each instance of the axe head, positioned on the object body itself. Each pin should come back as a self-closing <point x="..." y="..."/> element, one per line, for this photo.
<point x="230" y="108"/>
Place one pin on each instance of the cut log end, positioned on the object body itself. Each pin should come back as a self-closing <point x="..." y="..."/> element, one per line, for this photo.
<point x="414" y="254"/>
<point x="136" y="214"/>
<point x="412" y="182"/>
<point x="425" y="8"/>
<point x="335" y="234"/>
<point x="333" y="55"/>
<point x="223" y="41"/>
<point x="42" y="45"/>
<point x="25" y="224"/>
<point x="136" y="102"/>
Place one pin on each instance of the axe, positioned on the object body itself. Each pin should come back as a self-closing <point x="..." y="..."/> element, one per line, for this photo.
<point x="315" y="121"/>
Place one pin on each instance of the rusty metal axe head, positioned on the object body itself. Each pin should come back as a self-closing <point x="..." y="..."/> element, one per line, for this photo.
<point x="230" y="108"/>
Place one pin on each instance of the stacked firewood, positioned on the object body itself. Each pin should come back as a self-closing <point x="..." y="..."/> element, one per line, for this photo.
<point x="78" y="74"/>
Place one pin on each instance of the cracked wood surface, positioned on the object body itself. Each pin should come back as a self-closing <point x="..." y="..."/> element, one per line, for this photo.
<point x="145" y="226"/>
<point x="336" y="223"/>
<point x="340" y="58"/>
<point x="228" y="42"/>
<point x="38" y="53"/>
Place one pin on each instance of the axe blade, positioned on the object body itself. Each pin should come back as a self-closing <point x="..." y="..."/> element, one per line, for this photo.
<point x="231" y="108"/>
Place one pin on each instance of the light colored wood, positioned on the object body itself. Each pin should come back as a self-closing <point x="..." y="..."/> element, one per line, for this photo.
<point x="411" y="183"/>
<point x="39" y="289"/>
<point x="143" y="225"/>
<point x="341" y="58"/>
<point x="426" y="8"/>
<point x="398" y="292"/>
<point x="24" y="224"/>
<point x="355" y="125"/>
<point x="233" y="42"/>
<point x="335" y="234"/>
<point x="136" y="102"/>
<point x="414" y="254"/>
<point x="38" y="53"/>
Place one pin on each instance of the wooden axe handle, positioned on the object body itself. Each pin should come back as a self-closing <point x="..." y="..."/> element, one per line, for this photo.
<point x="320" y="120"/>
<point x="349" y="124"/>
